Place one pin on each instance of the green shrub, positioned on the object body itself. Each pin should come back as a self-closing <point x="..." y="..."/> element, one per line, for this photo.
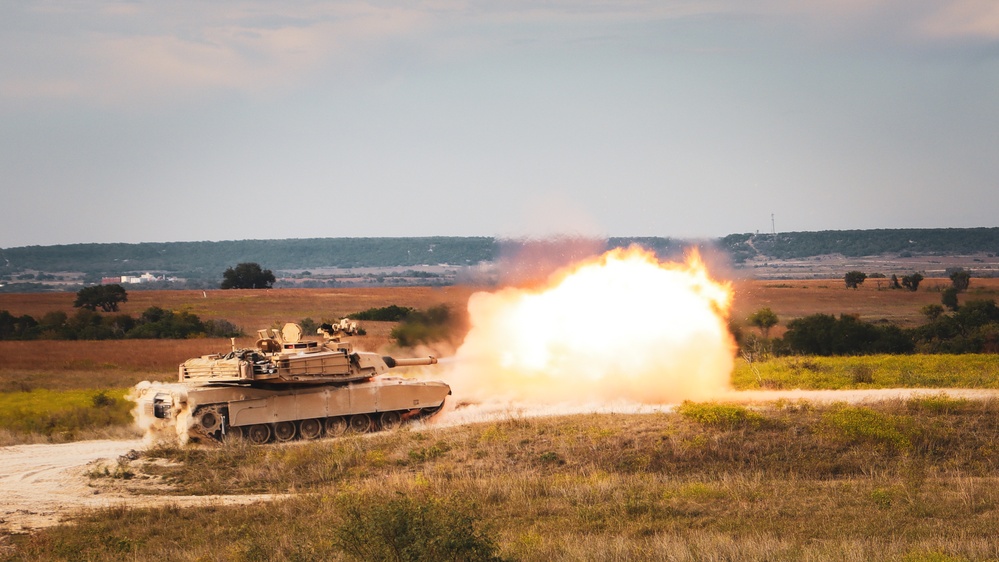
<point x="720" y="415"/>
<point x="939" y="404"/>
<point x="859" y="424"/>
<point x="435" y="324"/>
<point x="862" y="374"/>
<point x="402" y="528"/>
<point x="391" y="313"/>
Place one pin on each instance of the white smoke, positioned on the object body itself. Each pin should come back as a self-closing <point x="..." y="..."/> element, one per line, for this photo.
<point x="158" y="430"/>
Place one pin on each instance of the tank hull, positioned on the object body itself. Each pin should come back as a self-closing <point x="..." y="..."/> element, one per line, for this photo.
<point x="284" y="413"/>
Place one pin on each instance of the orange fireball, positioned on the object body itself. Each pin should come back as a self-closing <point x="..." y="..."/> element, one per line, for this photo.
<point x="620" y="327"/>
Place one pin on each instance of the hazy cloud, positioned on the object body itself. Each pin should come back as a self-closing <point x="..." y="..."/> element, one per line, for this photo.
<point x="125" y="52"/>
<point x="669" y="118"/>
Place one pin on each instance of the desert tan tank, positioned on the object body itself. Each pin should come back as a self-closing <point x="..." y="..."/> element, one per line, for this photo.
<point x="288" y="387"/>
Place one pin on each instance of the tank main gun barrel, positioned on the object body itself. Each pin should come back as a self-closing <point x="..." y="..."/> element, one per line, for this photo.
<point x="412" y="362"/>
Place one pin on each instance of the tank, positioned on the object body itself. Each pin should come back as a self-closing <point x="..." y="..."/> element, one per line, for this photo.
<point x="287" y="387"/>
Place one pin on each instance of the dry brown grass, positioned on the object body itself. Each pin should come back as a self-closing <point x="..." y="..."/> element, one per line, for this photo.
<point x="101" y="364"/>
<point x="251" y="309"/>
<point x="802" y="484"/>
<point x="797" y="483"/>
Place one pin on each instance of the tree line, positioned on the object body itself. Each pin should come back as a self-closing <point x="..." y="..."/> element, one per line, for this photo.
<point x="203" y="260"/>
<point x="951" y="327"/>
<point x="88" y="324"/>
<point x="85" y="324"/>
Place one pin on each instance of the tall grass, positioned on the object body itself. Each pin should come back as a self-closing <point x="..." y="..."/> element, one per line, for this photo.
<point x="55" y="416"/>
<point x="806" y="482"/>
<point x="869" y="371"/>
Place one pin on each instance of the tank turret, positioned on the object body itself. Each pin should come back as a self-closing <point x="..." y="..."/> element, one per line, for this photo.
<point x="284" y="358"/>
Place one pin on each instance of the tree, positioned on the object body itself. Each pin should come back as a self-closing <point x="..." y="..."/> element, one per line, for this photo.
<point x="106" y="297"/>
<point x="247" y="276"/>
<point x="912" y="282"/>
<point x="949" y="298"/>
<point x="932" y="311"/>
<point x="764" y="319"/>
<point x="854" y="279"/>
<point x="960" y="280"/>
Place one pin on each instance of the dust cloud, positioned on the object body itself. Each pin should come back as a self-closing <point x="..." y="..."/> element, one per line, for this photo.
<point x="157" y="430"/>
<point x="623" y="327"/>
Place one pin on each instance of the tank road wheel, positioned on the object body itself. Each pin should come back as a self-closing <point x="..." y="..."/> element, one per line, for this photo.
<point x="390" y="420"/>
<point x="284" y="431"/>
<point x="210" y="421"/>
<point x="258" y="434"/>
<point x="310" y="429"/>
<point x="360" y="423"/>
<point x="336" y="427"/>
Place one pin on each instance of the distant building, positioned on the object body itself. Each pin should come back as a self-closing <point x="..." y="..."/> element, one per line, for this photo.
<point x="144" y="278"/>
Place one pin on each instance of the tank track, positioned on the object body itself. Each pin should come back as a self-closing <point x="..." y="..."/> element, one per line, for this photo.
<point x="210" y="425"/>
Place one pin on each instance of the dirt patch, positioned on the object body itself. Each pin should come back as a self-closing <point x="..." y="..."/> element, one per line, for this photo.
<point x="43" y="485"/>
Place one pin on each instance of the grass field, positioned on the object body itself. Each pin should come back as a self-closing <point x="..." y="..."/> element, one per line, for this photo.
<point x="55" y="416"/>
<point x="907" y="481"/>
<point x="102" y="365"/>
<point x="869" y="371"/>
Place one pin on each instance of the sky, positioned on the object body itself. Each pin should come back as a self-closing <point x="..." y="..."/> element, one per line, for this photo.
<point x="146" y="121"/>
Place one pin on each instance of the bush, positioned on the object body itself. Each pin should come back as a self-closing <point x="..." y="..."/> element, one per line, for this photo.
<point x="435" y="324"/>
<point x="824" y="334"/>
<point x="949" y="298"/>
<point x="391" y="313"/>
<point x="912" y="282"/>
<point x="864" y="425"/>
<point x="854" y="279"/>
<point x="972" y="328"/>
<point x="862" y="374"/>
<point x="728" y="416"/>
<point x="402" y="528"/>
<point x="222" y="329"/>
<point x="87" y="324"/>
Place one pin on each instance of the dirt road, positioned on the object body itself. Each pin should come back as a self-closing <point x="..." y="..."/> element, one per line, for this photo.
<point x="41" y="485"/>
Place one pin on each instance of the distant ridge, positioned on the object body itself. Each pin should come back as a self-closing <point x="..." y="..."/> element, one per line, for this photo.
<point x="209" y="259"/>
<point x="856" y="243"/>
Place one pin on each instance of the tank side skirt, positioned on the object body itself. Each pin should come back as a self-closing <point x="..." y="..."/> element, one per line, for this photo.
<point x="256" y="406"/>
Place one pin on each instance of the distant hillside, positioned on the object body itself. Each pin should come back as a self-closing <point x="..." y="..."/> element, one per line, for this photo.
<point x="198" y="259"/>
<point x="206" y="261"/>
<point x="211" y="258"/>
<point x="856" y="243"/>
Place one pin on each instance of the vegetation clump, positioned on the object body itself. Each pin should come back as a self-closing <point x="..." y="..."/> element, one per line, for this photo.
<point x="720" y="415"/>
<point x="435" y="324"/>
<point x="865" y="425"/>
<point x="105" y="297"/>
<point x="63" y="416"/>
<point x="824" y="334"/>
<point x="390" y="313"/>
<point x="248" y="275"/>
<point x="87" y="324"/>
<point x="404" y="529"/>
